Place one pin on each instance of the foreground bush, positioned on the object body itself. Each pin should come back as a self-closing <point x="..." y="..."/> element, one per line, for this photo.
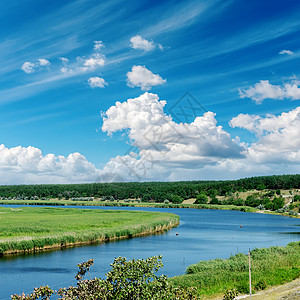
<point x="133" y="279"/>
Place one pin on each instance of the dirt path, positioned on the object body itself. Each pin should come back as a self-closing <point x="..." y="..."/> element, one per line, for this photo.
<point x="288" y="291"/>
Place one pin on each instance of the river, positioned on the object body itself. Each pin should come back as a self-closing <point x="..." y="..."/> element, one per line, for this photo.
<point x="201" y="235"/>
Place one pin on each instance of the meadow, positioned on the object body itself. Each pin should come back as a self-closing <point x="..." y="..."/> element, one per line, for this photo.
<point x="32" y="229"/>
<point x="270" y="266"/>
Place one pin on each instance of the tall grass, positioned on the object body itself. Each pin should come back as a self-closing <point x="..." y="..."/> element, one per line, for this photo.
<point x="270" y="266"/>
<point x="34" y="229"/>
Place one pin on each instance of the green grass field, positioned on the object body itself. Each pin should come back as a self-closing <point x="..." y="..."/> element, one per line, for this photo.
<point x="270" y="266"/>
<point x="33" y="229"/>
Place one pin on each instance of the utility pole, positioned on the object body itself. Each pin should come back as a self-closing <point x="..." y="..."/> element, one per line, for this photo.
<point x="250" y="289"/>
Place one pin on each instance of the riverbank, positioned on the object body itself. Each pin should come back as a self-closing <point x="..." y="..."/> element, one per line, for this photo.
<point x="55" y="202"/>
<point x="270" y="267"/>
<point x="124" y="204"/>
<point x="28" y="229"/>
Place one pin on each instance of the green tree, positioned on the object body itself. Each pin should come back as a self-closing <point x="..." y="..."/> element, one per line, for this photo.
<point x="128" y="279"/>
<point x="201" y="199"/>
<point x="278" y="203"/>
<point x="176" y="199"/>
<point x="215" y="201"/>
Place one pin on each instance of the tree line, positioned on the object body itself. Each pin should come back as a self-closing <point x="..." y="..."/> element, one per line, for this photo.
<point x="151" y="191"/>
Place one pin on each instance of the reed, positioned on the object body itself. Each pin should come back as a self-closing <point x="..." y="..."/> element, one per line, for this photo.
<point x="32" y="229"/>
<point x="270" y="266"/>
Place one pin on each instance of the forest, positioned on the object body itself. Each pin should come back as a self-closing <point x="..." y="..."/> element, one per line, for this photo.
<point x="159" y="192"/>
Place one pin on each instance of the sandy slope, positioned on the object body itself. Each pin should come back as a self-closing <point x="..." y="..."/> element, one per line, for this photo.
<point x="290" y="291"/>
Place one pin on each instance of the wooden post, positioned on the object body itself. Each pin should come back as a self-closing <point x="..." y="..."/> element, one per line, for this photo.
<point x="250" y="289"/>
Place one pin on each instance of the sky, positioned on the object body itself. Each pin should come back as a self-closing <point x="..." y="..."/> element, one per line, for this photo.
<point x="105" y="91"/>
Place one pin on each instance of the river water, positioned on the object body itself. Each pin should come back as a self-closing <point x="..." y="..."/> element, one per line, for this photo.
<point x="201" y="235"/>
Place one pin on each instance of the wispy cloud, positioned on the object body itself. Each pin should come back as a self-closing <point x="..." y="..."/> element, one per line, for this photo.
<point x="288" y="52"/>
<point x="98" y="45"/>
<point x="172" y="20"/>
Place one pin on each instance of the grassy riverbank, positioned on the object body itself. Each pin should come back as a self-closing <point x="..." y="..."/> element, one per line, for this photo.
<point x="54" y="202"/>
<point x="270" y="267"/>
<point x="28" y="229"/>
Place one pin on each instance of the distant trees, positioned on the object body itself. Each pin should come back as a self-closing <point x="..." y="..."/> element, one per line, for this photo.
<point x="156" y="191"/>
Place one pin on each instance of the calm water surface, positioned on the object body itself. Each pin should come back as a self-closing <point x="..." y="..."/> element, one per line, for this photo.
<point x="202" y="235"/>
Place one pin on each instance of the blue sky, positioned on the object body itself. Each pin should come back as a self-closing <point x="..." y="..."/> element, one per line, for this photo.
<point x="65" y="64"/>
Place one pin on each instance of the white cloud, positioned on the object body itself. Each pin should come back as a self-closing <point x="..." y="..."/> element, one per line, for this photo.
<point x="95" y="82"/>
<point x="264" y="90"/>
<point x="278" y="136"/>
<point x="164" y="145"/>
<point x="43" y="62"/>
<point x="137" y="42"/>
<point x="29" y="67"/>
<point x="64" y="60"/>
<point x="65" y="70"/>
<point x="161" y="47"/>
<point x="98" y="45"/>
<point x="165" y="150"/>
<point x="93" y="62"/>
<point x="140" y="76"/>
<point x="288" y="52"/>
<point x="29" y="165"/>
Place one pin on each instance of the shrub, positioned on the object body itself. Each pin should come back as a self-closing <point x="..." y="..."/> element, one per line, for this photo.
<point x="201" y="199"/>
<point x="230" y="294"/>
<point x="133" y="279"/>
<point x="243" y="287"/>
<point x="260" y="285"/>
<point x="177" y="199"/>
<point x="297" y="198"/>
<point x="260" y="207"/>
<point x="278" y="203"/>
<point x="215" y="201"/>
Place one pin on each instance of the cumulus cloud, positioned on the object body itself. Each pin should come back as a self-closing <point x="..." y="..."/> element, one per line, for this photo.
<point x="95" y="82"/>
<point x="264" y="90"/>
<point x="140" y="76"/>
<point x="162" y="149"/>
<point x="29" y="67"/>
<point x="163" y="144"/>
<point x="43" y="62"/>
<point x="98" y="45"/>
<point x="278" y="136"/>
<point x="93" y="62"/>
<point x="82" y="64"/>
<point x="288" y="52"/>
<point x="137" y="42"/>
<point x="29" y="165"/>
